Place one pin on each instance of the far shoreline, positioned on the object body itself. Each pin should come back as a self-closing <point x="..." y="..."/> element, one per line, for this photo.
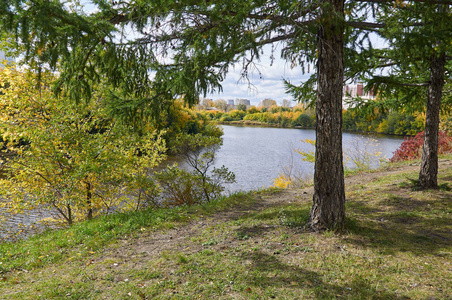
<point x="243" y="123"/>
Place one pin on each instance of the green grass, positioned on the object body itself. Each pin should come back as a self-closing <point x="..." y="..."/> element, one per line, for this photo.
<point x="397" y="245"/>
<point x="85" y="238"/>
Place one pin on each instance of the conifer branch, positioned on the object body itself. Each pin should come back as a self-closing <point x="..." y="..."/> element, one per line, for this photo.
<point x="366" y="25"/>
<point x="446" y="2"/>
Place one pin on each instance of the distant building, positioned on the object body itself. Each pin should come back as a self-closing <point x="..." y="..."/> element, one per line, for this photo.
<point x="242" y="101"/>
<point x="231" y="102"/>
<point x="354" y="91"/>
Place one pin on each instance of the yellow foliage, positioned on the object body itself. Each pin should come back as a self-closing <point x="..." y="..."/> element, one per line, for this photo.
<point x="282" y="181"/>
<point x="307" y="156"/>
<point x="70" y="157"/>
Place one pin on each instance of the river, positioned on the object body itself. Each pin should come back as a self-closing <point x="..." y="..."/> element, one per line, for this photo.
<point x="257" y="155"/>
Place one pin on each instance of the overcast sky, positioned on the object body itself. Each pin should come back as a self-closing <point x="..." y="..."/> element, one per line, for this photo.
<point x="266" y="84"/>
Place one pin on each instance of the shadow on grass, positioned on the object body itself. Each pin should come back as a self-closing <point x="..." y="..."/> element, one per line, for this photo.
<point x="268" y="271"/>
<point x="244" y="232"/>
<point x="408" y="225"/>
<point x="394" y="223"/>
<point x="286" y="216"/>
<point x="413" y="185"/>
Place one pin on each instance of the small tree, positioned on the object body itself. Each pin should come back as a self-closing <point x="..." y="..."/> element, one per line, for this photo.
<point x="286" y="103"/>
<point x="206" y="103"/>
<point x="220" y="104"/>
<point x="241" y="107"/>
<point x="202" y="184"/>
<point x="70" y="157"/>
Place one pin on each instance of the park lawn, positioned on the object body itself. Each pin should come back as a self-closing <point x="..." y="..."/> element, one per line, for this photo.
<point x="397" y="245"/>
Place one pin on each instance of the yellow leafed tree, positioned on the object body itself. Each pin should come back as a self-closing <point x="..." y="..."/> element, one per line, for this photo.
<point x="70" y="157"/>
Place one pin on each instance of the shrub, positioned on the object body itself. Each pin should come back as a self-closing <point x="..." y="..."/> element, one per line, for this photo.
<point x="199" y="185"/>
<point x="411" y="148"/>
<point x="237" y="115"/>
<point x="180" y="186"/>
<point x="302" y="120"/>
<point x="226" y="118"/>
<point x="253" y="117"/>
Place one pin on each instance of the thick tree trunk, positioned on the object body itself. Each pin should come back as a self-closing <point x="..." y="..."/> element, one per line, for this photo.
<point x="429" y="165"/>
<point x="328" y="209"/>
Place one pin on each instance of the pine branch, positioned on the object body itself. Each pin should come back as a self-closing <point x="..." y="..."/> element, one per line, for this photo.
<point x="366" y="25"/>
<point x="446" y="2"/>
<point x="414" y="84"/>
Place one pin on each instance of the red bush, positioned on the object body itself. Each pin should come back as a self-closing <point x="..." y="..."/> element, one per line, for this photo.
<point x="411" y="148"/>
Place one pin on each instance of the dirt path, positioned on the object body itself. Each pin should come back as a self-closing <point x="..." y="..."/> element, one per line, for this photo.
<point x="154" y="243"/>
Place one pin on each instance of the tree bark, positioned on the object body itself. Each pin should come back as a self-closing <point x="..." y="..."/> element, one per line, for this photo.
<point x="328" y="209"/>
<point x="69" y="214"/>
<point x="428" y="175"/>
<point x="89" y="204"/>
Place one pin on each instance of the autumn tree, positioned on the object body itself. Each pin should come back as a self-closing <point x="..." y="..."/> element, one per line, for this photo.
<point x="185" y="48"/>
<point x="72" y="158"/>
<point x="286" y="103"/>
<point x="267" y="103"/>
<point x="206" y="103"/>
<point x="221" y="104"/>
<point x="241" y="107"/>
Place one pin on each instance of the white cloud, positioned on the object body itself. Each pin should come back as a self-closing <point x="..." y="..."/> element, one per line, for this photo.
<point x="266" y="82"/>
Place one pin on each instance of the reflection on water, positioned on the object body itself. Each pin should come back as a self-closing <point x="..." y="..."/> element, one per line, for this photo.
<point x="257" y="155"/>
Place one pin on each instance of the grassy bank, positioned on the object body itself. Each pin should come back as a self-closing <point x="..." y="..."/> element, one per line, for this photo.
<point x="398" y="245"/>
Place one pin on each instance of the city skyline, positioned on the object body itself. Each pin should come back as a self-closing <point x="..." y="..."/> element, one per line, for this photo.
<point x="265" y="82"/>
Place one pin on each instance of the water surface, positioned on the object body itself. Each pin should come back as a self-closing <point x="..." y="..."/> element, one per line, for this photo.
<point x="257" y="154"/>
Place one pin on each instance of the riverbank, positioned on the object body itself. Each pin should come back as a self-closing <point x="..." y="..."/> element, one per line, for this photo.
<point x="273" y="125"/>
<point x="398" y="245"/>
<point x="256" y="155"/>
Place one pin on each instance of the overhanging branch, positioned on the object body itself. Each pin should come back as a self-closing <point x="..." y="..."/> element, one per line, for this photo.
<point x="446" y="2"/>
<point x="366" y="25"/>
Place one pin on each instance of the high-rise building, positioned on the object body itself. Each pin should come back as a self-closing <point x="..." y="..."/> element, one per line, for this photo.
<point x="242" y="101"/>
<point x="356" y="90"/>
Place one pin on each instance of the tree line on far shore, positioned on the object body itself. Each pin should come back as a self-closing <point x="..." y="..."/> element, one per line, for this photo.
<point x="391" y="122"/>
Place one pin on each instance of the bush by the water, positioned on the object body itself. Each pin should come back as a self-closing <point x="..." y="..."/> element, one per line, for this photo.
<point x="411" y="148"/>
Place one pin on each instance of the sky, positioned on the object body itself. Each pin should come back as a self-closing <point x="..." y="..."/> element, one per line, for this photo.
<point x="265" y="83"/>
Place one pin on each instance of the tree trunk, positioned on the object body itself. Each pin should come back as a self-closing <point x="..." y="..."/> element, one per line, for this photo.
<point x="89" y="204"/>
<point x="69" y="214"/>
<point x="328" y="209"/>
<point x="429" y="165"/>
